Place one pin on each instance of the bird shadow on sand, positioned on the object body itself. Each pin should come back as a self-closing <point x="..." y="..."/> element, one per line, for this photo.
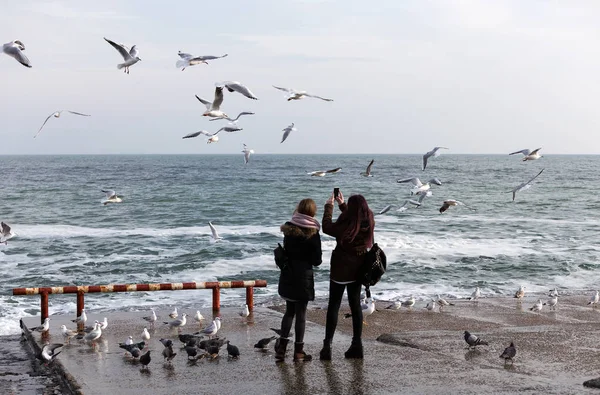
<point x="472" y="354"/>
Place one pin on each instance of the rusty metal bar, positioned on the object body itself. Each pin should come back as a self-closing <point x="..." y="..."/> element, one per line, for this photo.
<point x="81" y="290"/>
<point x="250" y="298"/>
<point x="44" y="305"/>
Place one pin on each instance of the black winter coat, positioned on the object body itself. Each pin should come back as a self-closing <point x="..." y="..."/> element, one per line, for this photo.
<point x="303" y="248"/>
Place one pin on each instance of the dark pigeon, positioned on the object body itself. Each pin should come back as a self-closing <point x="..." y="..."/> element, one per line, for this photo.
<point x="145" y="359"/>
<point x="232" y="351"/>
<point x="509" y="353"/>
<point x="473" y="340"/>
<point x="264" y="343"/>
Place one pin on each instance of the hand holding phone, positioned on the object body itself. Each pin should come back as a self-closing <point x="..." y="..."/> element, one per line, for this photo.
<point x="336" y="192"/>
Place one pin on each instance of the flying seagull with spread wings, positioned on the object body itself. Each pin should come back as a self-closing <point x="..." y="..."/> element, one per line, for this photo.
<point x="524" y="186"/>
<point x="15" y="49"/>
<point x="234" y="120"/>
<point x="297" y="95"/>
<point x="57" y="114"/>
<point x="130" y="56"/>
<point x="367" y="172"/>
<point x="451" y="202"/>
<point x="247" y="151"/>
<point x="287" y="131"/>
<point x="528" y="155"/>
<point x="433" y="153"/>
<point x="213" y="109"/>
<point x="188" y="60"/>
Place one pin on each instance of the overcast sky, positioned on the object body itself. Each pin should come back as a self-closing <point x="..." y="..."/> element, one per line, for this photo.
<point x="473" y="76"/>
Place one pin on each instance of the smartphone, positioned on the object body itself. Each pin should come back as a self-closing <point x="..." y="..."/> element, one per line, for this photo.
<point x="336" y="192"/>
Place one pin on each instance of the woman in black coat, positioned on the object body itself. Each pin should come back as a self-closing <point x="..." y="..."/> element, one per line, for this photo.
<point x="302" y="244"/>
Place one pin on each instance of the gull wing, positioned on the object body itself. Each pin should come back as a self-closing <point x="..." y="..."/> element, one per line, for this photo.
<point x="386" y="209"/>
<point x="414" y="180"/>
<point x="435" y="181"/>
<point x="133" y="52"/>
<point x="286" y="133"/>
<point x="523" y="151"/>
<point x="216" y="104"/>
<point x="205" y="102"/>
<point x="120" y="48"/>
<point x="78" y="113"/>
<point x="109" y="193"/>
<point x="525" y="185"/>
<point x="283" y="89"/>
<point x="214" y="232"/>
<point x="235" y="86"/>
<point x="317" y="97"/>
<point x="239" y="115"/>
<point x="38" y="132"/>
<point x="535" y="151"/>
<point x="368" y="171"/>
<point x="184" y="55"/>
<point x="208" y="57"/>
<point x="5" y="229"/>
<point x="196" y="134"/>
<point x="333" y="170"/>
<point x="16" y="53"/>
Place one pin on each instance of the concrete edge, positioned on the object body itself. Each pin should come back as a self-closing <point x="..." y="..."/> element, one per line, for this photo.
<point x="56" y="368"/>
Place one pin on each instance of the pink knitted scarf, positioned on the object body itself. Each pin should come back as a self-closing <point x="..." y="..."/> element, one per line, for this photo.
<point x="305" y="221"/>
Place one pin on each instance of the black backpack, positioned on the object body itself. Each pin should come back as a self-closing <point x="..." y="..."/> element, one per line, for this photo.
<point x="373" y="267"/>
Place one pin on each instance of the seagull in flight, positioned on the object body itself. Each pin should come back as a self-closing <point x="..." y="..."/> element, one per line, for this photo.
<point x="247" y="153"/>
<point x="56" y="114"/>
<point x="188" y="60"/>
<point x="528" y="155"/>
<point x="111" y="197"/>
<point x="287" y="131"/>
<point x="15" y="49"/>
<point x="524" y="186"/>
<point x="297" y="95"/>
<point x="234" y="120"/>
<point x="213" y="138"/>
<point x="322" y="173"/>
<point x="236" y="86"/>
<point x="451" y="202"/>
<point x="6" y="233"/>
<point x="367" y="172"/>
<point x="434" y="152"/>
<point x="418" y="186"/>
<point x="213" y="109"/>
<point x="213" y="230"/>
<point x="130" y="56"/>
<point x="402" y="208"/>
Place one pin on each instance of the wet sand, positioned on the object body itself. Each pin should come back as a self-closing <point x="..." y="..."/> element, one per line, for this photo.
<point x="557" y="352"/>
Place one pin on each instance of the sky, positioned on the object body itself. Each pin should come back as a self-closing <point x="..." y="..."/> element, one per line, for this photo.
<point x="478" y="77"/>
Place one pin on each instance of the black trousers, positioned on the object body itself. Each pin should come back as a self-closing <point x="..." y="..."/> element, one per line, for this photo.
<point x="336" y="292"/>
<point x="297" y="309"/>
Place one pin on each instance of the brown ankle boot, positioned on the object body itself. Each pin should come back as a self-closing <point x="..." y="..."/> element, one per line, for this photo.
<point x="299" y="354"/>
<point x="280" y="348"/>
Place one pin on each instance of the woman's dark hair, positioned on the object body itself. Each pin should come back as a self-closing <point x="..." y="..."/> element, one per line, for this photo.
<point x="357" y="217"/>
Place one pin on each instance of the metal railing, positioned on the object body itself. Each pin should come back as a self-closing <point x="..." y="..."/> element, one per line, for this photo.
<point x="81" y="290"/>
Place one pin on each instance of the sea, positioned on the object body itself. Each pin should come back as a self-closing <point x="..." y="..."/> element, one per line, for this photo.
<point x="547" y="237"/>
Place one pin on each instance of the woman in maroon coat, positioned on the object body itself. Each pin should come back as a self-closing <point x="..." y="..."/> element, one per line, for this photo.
<point x="353" y="232"/>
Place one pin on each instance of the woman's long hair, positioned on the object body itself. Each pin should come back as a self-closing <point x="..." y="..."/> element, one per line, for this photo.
<point x="357" y="217"/>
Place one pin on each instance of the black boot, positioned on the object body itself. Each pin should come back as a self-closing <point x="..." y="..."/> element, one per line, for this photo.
<point x="299" y="354"/>
<point x="355" y="350"/>
<point x="280" y="348"/>
<point x="325" y="354"/>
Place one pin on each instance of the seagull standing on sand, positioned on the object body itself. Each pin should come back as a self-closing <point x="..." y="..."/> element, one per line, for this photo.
<point x="418" y="186"/>
<point x="430" y="306"/>
<point x="528" y="155"/>
<point x="213" y="231"/>
<point x="173" y="314"/>
<point x="56" y="114"/>
<point x="82" y="318"/>
<point x="104" y="323"/>
<point x="145" y="334"/>
<point x="151" y="318"/>
<point x="553" y="292"/>
<point x="130" y="56"/>
<point x="245" y="311"/>
<point x="367" y="172"/>
<point x="368" y="307"/>
<point x="198" y="316"/>
<point x="93" y="335"/>
<point x="111" y="197"/>
<point x="524" y="186"/>
<point x="6" y="233"/>
<point x="67" y="333"/>
<point x="551" y="303"/>
<point x="476" y="294"/>
<point x="287" y="131"/>
<point x="213" y="109"/>
<point x="210" y="330"/>
<point x="15" y="49"/>
<point x="509" y="353"/>
<point x="188" y="60"/>
<point x="236" y="86"/>
<point x="44" y="327"/>
<point x="537" y="306"/>
<point x="473" y="341"/>
<point x="520" y="292"/>
<point x="178" y="323"/>
<point x="443" y="303"/>
<point x="433" y="153"/>
<point x="297" y="95"/>
<point x="595" y="299"/>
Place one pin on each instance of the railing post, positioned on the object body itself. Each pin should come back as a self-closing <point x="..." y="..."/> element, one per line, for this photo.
<point x="250" y="298"/>
<point x="44" y="305"/>
<point x="216" y="299"/>
<point x="80" y="307"/>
